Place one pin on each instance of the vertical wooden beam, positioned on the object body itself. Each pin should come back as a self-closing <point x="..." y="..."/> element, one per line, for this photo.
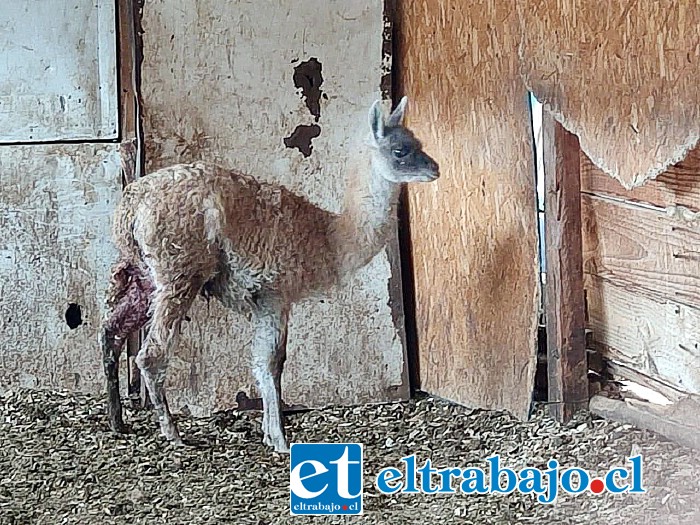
<point x="127" y="98"/>
<point x="394" y="246"/>
<point x="565" y="305"/>
<point x="405" y="268"/>
<point x="129" y="45"/>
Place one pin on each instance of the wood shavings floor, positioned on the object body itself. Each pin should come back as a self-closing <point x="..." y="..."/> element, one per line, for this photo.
<point x="60" y="465"/>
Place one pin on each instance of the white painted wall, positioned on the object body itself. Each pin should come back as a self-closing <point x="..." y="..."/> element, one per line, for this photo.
<point x="58" y="76"/>
<point x="218" y="84"/>
<point x="56" y="203"/>
<point x="57" y="82"/>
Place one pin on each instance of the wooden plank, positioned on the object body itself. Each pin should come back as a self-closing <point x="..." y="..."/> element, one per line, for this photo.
<point x="218" y="84"/>
<point x="131" y="147"/>
<point x="567" y="365"/>
<point x="474" y="232"/>
<point x="127" y="95"/>
<point x="55" y="250"/>
<point x="393" y="250"/>
<point x="623" y="78"/>
<point x="678" y="422"/>
<point x="677" y="186"/>
<point x="59" y="71"/>
<point x="660" y="339"/>
<point x="642" y="249"/>
<point x="619" y="372"/>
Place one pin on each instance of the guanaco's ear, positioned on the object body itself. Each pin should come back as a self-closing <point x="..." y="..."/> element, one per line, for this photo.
<point x="376" y="121"/>
<point x="396" y="118"/>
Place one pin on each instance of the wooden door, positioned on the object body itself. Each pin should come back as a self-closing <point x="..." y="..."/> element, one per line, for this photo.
<point x="474" y="233"/>
<point x="59" y="181"/>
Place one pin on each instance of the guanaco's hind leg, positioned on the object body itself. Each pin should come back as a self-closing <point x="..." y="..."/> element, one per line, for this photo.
<point x="129" y="298"/>
<point x="170" y="305"/>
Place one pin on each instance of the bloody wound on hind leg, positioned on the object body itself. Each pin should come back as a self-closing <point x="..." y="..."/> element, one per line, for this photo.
<point x="129" y="299"/>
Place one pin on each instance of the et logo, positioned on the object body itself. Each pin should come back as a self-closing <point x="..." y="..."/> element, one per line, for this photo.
<point x="325" y="478"/>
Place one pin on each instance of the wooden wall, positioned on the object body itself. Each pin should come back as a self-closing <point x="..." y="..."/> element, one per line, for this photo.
<point x="624" y="80"/>
<point x="642" y="271"/>
<point x="474" y="232"/>
<point x="219" y="83"/>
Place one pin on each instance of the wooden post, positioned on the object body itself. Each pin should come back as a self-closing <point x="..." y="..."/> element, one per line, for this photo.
<point x="131" y="150"/>
<point x="565" y="306"/>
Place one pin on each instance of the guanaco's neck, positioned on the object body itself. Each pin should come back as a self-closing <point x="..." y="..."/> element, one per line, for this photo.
<point x="368" y="218"/>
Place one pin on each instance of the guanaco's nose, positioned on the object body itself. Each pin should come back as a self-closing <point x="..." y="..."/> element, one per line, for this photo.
<point x="432" y="167"/>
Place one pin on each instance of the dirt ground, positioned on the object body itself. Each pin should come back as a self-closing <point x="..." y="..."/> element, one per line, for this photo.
<point x="59" y="464"/>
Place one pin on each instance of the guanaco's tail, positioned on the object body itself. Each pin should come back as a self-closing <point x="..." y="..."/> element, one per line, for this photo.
<point x="129" y="263"/>
<point x="123" y="227"/>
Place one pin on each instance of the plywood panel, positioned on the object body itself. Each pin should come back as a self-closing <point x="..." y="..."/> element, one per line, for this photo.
<point x="219" y="83"/>
<point x="642" y="249"/>
<point x="55" y="249"/>
<point x="623" y="77"/>
<point x="660" y="339"/>
<point x="59" y="74"/>
<point x="474" y="232"/>
<point x="677" y="186"/>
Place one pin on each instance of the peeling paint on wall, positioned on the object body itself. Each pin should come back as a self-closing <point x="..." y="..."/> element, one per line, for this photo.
<point x="301" y="138"/>
<point x="308" y="79"/>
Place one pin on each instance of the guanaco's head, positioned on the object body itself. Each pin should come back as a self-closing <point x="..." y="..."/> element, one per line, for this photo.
<point x="398" y="154"/>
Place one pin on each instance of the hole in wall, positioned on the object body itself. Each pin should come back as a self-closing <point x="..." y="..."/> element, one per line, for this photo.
<point x="74" y="316"/>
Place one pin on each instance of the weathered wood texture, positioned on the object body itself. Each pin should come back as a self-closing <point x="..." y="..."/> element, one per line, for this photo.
<point x="678" y="422"/>
<point x="126" y="28"/>
<point x="660" y="339"/>
<point x="624" y="77"/>
<point x="59" y="74"/>
<point x="643" y="272"/>
<point x="474" y="233"/>
<point x="218" y="84"/>
<point x="55" y="249"/>
<point x="567" y="366"/>
<point x="677" y="186"/>
<point x="642" y="249"/>
<point x="623" y="373"/>
<point x="133" y="158"/>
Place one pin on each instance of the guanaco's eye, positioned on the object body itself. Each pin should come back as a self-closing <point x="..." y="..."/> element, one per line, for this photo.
<point x="401" y="151"/>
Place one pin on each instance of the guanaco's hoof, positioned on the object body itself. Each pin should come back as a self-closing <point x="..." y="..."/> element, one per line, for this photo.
<point x="119" y="427"/>
<point x="280" y="445"/>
